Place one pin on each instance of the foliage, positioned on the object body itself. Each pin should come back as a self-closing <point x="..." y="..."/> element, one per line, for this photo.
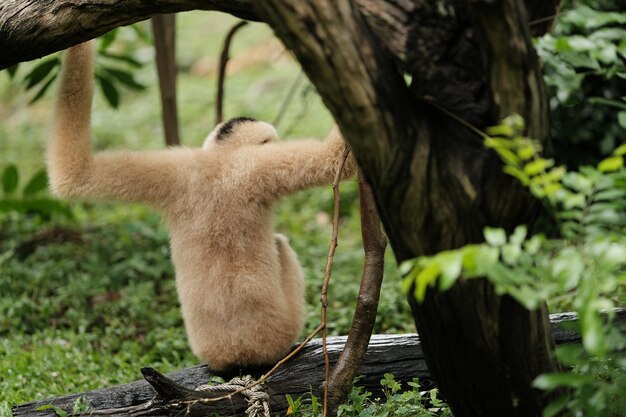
<point x="114" y="67"/>
<point x="585" y="264"/>
<point x="396" y="401"/>
<point x="585" y="71"/>
<point x="31" y="199"/>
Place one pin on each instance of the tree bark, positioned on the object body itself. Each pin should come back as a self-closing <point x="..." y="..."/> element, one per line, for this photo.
<point x="374" y="244"/>
<point x="31" y="29"/>
<point x="164" y="30"/>
<point x="435" y="184"/>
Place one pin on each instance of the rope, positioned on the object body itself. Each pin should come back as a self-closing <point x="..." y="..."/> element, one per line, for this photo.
<point x="258" y="400"/>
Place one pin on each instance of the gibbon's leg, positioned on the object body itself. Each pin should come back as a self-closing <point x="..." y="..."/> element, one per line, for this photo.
<point x="292" y="277"/>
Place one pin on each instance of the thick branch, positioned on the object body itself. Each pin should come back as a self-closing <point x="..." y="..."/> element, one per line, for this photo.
<point x="515" y="81"/>
<point x="31" y="29"/>
<point x="374" y="244"/>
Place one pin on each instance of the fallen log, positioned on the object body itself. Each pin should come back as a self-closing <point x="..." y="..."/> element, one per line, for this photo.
<point x="400" y="355"/>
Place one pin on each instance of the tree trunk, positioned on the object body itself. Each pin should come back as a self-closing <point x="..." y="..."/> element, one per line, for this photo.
<point x="435" y="184"/>
<point x="164" y="30"/>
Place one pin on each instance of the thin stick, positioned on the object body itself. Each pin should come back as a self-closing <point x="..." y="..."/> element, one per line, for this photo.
<point x="329" y="266"/>
<point x="288" y="99"/>
<point x="224" y="56"/>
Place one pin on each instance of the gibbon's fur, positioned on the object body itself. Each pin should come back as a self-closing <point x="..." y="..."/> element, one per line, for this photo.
<point x="239" y="284"/>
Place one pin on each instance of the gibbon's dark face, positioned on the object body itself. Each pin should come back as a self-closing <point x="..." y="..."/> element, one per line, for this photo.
<point x="240" y="131"/>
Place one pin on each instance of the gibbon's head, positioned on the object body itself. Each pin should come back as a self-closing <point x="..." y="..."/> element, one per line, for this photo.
<point x="240" y="131"/>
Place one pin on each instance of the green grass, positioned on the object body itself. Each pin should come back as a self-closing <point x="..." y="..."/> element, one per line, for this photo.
<point x="92" y="307"/>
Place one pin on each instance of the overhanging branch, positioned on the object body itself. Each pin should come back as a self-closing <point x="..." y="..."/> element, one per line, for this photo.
<point x="31" y="29"/>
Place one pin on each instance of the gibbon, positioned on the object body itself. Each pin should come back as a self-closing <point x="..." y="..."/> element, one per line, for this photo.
<point x="240" y="285"/>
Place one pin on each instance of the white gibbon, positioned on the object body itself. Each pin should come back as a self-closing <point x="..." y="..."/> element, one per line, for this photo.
<point x="240" y="285"/>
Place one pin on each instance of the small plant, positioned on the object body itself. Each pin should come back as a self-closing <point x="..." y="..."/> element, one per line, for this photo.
<point x="361" y="403"/>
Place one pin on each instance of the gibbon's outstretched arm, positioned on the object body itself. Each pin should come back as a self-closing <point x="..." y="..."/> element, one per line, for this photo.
<point x="283" y="168"/>
<point x="75" y="172"/>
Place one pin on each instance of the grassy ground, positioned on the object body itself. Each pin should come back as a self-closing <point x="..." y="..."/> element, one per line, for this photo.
<point x="86" y="302"/>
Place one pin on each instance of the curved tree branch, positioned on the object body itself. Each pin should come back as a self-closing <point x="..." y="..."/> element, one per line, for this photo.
<point x="31" y="29"/>
<point x="374" y="244"/>
<point x="221" y="76"/>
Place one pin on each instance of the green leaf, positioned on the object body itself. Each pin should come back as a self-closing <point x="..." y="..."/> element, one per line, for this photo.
<point x="10" y="178"/>
<point x="580" y="59"/>
<point x="554" y="380"/>
<point x="109" y="90"/>
<point x="107" y="39"/>
<point x="12" y="70"/>
<point x="555" y="407"/>
<point x="40" y="72"/>
<point x="426" y="277"/>
<point x="508" y="157"/>
<point x="501" y="131"/>
<point x="494" y="236"/>
<point x="451" y="265"/>
<point x="124" y="77"/>
<point x="60" y="412"/>
<point x="517" y="173"/>
<point x="593" y="337"/>
<point x="538" y="166"/>
<point x="621" y="150"/>
<point x="37" y="183"/>
<point x="406" y="266"/>
<point x="533" y="245"/>
<point x="407" y="283"/>
<point x="515" y="121"/>
<point x="607" y="102"/>
<point x="127" y="59"/>
<point x="579" y="43"/>
<point x="42" y="90"/>
<point x="519" y="234"/>
<point x="611" y="194"/>
<point x="511" y="253"/>
<point x="569" y="354"/>
<point x="44" y="407"/>
<point x="611" y="164"/>
<point x="621" y="119"/>
<point x="527" y="151"/>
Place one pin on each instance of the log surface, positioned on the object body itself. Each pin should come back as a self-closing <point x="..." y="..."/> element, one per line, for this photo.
<point x="400" y="355"/>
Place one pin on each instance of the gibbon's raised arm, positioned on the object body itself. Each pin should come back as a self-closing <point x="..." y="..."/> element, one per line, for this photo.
<point x="75" y="172"/>
<point x="282" y="168"/>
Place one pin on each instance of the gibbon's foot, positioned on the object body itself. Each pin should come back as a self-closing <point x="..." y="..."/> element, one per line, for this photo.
<point x="255" y="371"/>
